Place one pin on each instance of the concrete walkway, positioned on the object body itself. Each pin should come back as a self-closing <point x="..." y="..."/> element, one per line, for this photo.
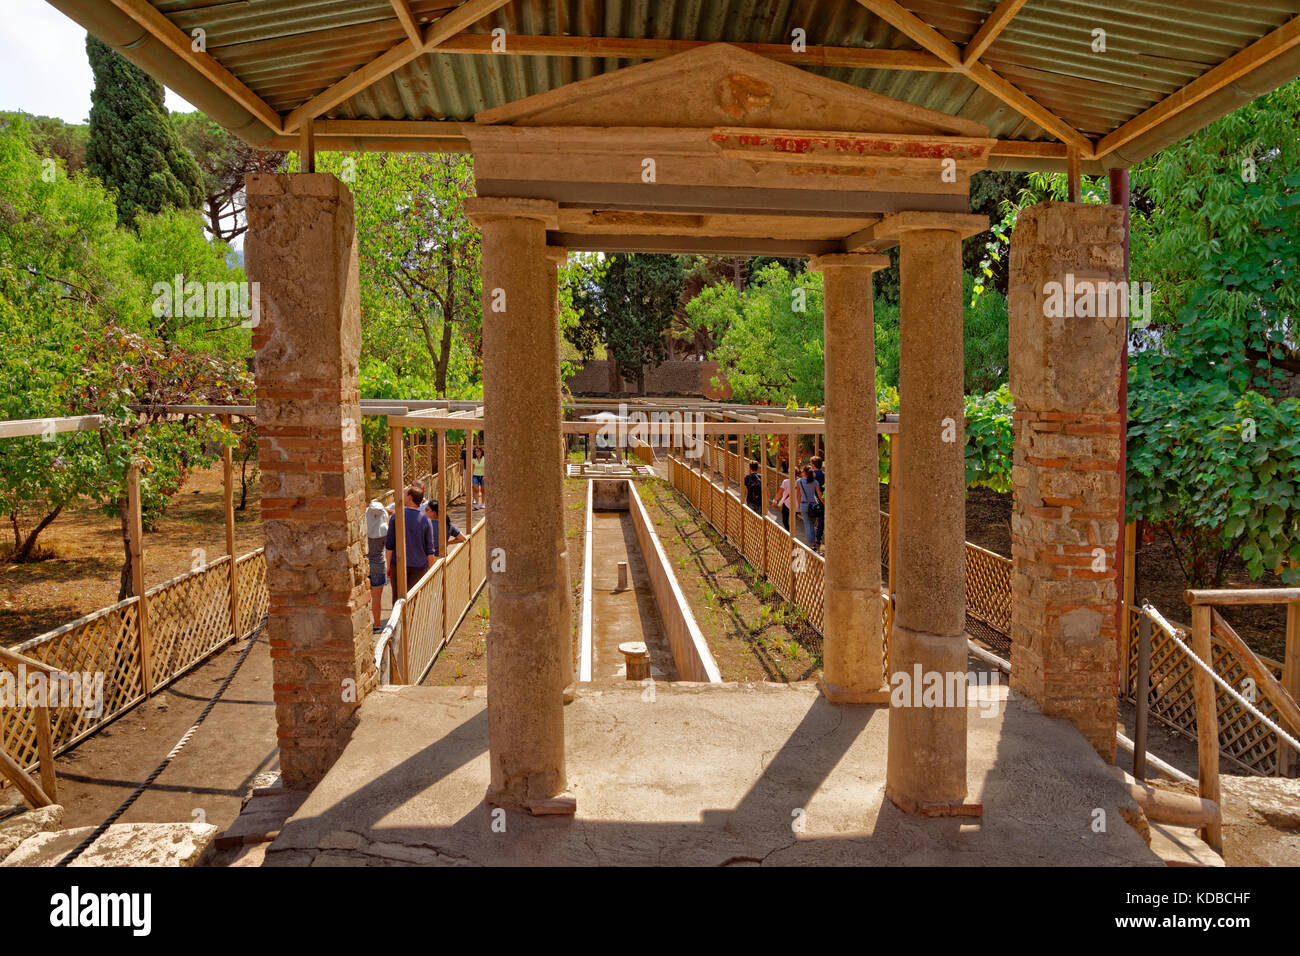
<point x="726" y="774"/>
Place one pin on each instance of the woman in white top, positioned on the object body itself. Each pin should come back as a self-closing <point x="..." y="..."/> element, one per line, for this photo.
<point x="782" y="501"/>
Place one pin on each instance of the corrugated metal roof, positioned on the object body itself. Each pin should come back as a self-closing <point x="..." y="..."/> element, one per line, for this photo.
<point x="288" y="50"/>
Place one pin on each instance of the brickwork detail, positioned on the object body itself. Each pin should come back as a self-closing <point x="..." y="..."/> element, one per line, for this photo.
<point x="302" y="249"/>
<point x="1065" y="376"/>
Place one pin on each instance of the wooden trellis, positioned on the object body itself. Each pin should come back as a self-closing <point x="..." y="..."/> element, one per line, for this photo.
<point x="1244" y="740"/>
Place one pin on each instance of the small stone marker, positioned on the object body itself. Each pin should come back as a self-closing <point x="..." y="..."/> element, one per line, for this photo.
<point x="637" y="658"/>
<point x="622" y="576"/>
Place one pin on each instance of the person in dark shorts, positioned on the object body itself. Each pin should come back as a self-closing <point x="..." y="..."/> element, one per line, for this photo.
<point x="754" y="488"/>
<point x="421" y="546"/>
<point x="376" y="535"/>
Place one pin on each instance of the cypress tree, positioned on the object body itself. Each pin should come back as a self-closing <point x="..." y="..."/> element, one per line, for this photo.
<point x="134" y="149"/>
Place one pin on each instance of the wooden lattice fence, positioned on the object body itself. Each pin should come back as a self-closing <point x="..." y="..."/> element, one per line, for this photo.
<point x="189" y="619"/>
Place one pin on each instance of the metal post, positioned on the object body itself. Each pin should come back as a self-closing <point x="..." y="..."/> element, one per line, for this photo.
<point x="1143" y="697"/>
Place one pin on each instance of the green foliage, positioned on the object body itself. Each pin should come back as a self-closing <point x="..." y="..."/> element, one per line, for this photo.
<point x="628" y="307"/>
<point x="225" y="161"/>
<point x="990" y="437"/>
<point x="133" y="148"/>
<point x="770" y="344"/>
<point x="52" y="138"/>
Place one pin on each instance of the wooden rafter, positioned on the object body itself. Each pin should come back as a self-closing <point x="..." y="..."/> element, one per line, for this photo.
<point x="180" y="43"/>
<point x="445" y="27"/>
<point x="1229" y="71"/>
<point x="636" y="48"/>
<point x="931" y="39"/>
<point x="404" y="16"/>
<point x="984" y="37"/>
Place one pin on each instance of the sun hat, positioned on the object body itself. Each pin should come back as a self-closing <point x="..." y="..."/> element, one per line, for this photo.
<point x="376" y="520"/>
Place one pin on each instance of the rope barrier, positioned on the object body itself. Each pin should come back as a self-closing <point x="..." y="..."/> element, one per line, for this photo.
<point x="1172" y="633"/>
<point x="180" y="744"/>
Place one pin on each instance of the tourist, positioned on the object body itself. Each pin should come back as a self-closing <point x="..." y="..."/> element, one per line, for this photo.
<point x="810" y="505"/>
<point x="421" y="546"/>
<point x="453" y="533"/>
<point x="754" y="488"/>
<point x="782" y="501"/>
<point x="480" y="468"/>
<point x="376" y="535"/>
<point x="820" y="474"/>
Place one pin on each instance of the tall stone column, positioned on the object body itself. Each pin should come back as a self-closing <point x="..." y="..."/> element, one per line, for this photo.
<point x="1069" y="306"/>
<point x="528" y="660"/>
<point x="851" y="644"/>
<point x="302" y="250"/>
<point x="557" y="256"/>
<point x="926" y="770"/>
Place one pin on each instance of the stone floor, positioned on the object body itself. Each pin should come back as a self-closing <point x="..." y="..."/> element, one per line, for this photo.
<point x="705" y="775"/>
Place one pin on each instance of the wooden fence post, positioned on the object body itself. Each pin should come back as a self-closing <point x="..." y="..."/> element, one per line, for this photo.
<point x="227" y="475"/>
<point x="45" y="753"/>
<point x="767" y="502"/>
<point x="399" y="535"/>
<point x="1288" y="759"/>
<point x="135" y="536"/>
<point x="1207" y="721"/>
<point x="441" y="530"/>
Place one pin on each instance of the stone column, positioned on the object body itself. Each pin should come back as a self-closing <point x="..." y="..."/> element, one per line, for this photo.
<point x="851" y="644"/>
<point x="528" y="642"/>
<point x="926" y="771"/>
<point x="558" y="256"/>
<point x="1068" y="304"/>
<point x="302" y="250"/>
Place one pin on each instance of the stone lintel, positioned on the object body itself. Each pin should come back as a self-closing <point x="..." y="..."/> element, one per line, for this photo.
<point x="482" y="208"/>
<point x="965" y="224"/>
<point x="847" y="260"/>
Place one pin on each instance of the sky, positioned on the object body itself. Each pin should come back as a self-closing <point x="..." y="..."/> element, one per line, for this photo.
<point x="43" y="65"/>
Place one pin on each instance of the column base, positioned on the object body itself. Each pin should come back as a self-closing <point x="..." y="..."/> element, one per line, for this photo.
<point x="846" y="695"/>
<point x="919" y="808"/>
<point x="561" y="805"/>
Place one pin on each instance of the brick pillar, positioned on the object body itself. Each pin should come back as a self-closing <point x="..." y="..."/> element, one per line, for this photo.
<point x="1065" y="530"/>
<point x="528" y="659"/>
<point x="926" y="768"/>
<point x="852" y="646"/>
<point x="301" y="248"/>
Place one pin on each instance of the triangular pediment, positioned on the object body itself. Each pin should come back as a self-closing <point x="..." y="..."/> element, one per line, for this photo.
<point x="724" y="85"/>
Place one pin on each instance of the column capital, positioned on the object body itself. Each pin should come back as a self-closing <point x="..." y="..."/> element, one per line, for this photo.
<point x="482" y="209"/>
<point x="847" y="260"/>
<point x="964" y="224"/>
<point x="558" y="255"/>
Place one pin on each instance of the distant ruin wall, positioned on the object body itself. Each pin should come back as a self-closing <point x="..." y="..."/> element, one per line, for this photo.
<point x="675" y="377"/>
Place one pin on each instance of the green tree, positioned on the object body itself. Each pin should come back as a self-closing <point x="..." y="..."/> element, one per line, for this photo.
<point x="225" y="161"/>
<point x="133" y="147"/>
<point x="629" y="308"/>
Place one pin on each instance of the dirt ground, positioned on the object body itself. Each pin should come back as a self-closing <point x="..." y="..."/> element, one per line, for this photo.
<point x="1159" y="578"/>
<point x="85" y="555"/>
<point x="754" y="634"/>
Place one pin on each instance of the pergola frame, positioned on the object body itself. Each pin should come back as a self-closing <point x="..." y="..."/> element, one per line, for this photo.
<point x="451" y="33"/>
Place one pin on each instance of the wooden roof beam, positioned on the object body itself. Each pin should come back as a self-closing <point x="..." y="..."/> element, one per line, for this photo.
<point x="997" y="21"/>
<point x="1229" y="71"/>
<point x="652" y="48"/>
<point x="931" y="39"/>
<point x="445" y="27"/>
<point x="404" y="16"/>
<point x="182" y="44"/>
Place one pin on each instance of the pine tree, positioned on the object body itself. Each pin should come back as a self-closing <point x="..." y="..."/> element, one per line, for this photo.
<point x="134" y="149"/>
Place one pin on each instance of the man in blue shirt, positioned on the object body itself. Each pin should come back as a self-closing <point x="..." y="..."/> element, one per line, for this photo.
<point x="421" y="546"/>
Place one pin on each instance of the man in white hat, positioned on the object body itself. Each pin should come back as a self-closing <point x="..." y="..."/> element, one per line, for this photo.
<point x="376" y="533"/>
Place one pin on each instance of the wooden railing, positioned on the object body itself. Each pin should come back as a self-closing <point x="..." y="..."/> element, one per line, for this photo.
<point x="421" y="623"/>
<point x="188" y="620"/>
